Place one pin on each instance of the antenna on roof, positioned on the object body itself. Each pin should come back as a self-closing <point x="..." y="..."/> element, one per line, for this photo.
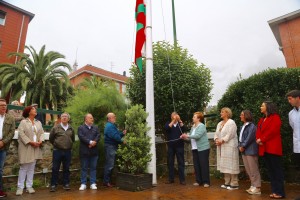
<point x="111" y="66"/>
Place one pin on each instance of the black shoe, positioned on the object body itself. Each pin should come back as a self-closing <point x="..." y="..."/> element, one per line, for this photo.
<point x="169" y="182"/>
<point x="182" y="183"/>
<point x="52" y="188"/>
<point x="66" y="187"/>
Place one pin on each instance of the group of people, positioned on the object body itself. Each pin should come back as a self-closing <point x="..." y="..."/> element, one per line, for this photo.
<point x="62" y="137"/>
<point x="252" y="141"/>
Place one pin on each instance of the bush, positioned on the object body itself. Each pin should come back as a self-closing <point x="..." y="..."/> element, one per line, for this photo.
<point x="271" y="84"/>
<point x="134" y="156"/>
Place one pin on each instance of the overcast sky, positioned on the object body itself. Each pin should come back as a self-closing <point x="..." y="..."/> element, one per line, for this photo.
<point x="230" y="37"/>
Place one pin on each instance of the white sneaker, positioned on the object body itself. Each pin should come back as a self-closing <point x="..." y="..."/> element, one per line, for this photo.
<point x="250" y="188"/>
<point x="93" y="186"/>
<point x="232" y="187"/>
<point x="19" y="191"/>
<point x="196" y="184"/>
<point x="82" y="187"/>
<point x="255" y="190"/>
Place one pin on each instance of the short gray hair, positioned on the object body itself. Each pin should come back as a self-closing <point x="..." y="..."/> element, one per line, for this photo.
<point x="65" y="113"/>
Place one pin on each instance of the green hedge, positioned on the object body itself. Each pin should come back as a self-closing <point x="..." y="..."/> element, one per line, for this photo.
<point x="271" y="84"/>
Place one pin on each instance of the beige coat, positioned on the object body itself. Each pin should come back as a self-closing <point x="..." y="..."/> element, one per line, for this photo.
<point x="27" y="153"/>
<point x="227" y="153"/>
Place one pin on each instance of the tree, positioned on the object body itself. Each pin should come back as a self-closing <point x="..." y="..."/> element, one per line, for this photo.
<point x="191" y="83"/>
<point x="271" y="84"/>
<point x="98" y="101"/>
<point x="38" y="75"/>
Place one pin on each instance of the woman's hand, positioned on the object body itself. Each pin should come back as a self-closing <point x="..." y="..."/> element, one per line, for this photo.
<point x="242" y="149"/>
<point x="259" y="142"/>
<point x="184" y="136"/>
<point x="219" y="142"/>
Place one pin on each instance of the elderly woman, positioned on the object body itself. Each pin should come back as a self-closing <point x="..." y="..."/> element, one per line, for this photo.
<point x="30" y="140"/>
<point x="200" y="149"/>
<point x="249" y="150"/>
<point x="268" y="139"/>
<point x="227" y="150"/>
<point x="17" y="114"/>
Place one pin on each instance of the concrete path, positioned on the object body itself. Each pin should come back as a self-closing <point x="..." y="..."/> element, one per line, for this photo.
<point x="160" y="192"/>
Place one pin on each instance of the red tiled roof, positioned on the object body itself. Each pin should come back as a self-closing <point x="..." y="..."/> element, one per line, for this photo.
<point x="99" y="72"/>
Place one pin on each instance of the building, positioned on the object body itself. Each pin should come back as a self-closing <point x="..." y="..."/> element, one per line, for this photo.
<point x="286" y="30"/>
<point x="78" y="76"/>
<point x="13" y="30"/>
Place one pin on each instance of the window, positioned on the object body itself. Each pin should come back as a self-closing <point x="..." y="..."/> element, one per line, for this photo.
<point x="2" y="17"/>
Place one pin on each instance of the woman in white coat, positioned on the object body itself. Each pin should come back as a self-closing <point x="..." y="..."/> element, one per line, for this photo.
<point x="31" y="136"/>
<point x="227" y="150"/>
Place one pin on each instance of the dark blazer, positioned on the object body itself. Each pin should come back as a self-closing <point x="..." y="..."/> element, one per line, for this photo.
<point x="249" y="140"/>
<point x="85" y="136"/>
<point x="8" y="131"/>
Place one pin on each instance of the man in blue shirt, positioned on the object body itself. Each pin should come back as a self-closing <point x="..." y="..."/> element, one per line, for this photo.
<point x="112" y="137"/>
<point x="294" y="120"/>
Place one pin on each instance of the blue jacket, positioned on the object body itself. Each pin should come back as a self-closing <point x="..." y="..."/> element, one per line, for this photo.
<point x="249" y="140"/>
<point x="85" y="136"/>
<point x="112" y="135"/>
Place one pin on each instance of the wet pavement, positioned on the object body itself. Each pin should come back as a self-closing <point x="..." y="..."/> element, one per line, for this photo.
<point x="161" y="192"/>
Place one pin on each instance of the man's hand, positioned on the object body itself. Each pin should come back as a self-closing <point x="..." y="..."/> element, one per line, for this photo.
<point x="124" y="132"/>
<point x="1" y="144"/>
<point x="242" y="149"/>
<point x="92" y="144"/>
<point x="184" y="136"/>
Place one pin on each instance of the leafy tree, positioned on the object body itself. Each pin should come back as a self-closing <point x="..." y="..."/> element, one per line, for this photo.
<point x="271" y="84"/>
<point x="191" y="83"/>
<point x="135" y="155"/>
<point x="98" y="101"/>
<point x="38" y="75"/>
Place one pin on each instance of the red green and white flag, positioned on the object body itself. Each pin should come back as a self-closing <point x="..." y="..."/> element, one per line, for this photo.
<point x="140" y="16"/>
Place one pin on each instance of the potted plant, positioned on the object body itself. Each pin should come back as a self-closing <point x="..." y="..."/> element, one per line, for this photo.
<point x="134" y="156"/>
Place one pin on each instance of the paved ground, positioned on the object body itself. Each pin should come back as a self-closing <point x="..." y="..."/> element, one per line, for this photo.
<point x="161" y="192"/>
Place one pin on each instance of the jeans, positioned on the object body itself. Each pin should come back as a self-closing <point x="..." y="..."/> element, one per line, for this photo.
<point x="273" y="164"/>
<point x="64" y="157"/>
<point x="179" y="152"/>
<point x="2" y="161"/>
<point x="88" y="162"/>
<point x="110" y="154"/>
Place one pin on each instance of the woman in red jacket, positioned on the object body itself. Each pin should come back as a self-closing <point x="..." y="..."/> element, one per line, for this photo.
<point x="269" y="140"/>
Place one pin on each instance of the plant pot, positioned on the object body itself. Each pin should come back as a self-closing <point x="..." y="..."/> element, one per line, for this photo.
<point x="132" y="182"/>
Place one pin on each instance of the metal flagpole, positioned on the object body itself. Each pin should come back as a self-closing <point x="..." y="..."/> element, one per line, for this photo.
<point x="150" y="90"/>
<point x="174" y="24"/>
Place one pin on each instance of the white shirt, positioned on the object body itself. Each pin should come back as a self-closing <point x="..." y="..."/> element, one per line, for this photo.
<point x="193" y="141"/>
<point x="294" y="120"/>
<point x="64" y="127"/>
<point x="2" y="117"/>
<point x="242" y="130"/>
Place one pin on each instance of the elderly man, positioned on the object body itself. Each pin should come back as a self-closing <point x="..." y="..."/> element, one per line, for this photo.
<point x="7" y="131"/>
<point x="89" y="137"/>
<point x="174" y="128"/>
<point x="112" y="137"/>
<point x="62" y="137"/>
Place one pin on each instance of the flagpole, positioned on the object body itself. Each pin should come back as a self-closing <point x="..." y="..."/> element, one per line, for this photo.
<point x="150" y="90"/>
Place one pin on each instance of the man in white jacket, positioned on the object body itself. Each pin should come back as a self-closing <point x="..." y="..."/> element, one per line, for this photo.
<point x="294" y="120"/>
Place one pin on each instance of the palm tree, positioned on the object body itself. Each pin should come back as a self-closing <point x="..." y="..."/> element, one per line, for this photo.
<point x="38" y="75"/>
